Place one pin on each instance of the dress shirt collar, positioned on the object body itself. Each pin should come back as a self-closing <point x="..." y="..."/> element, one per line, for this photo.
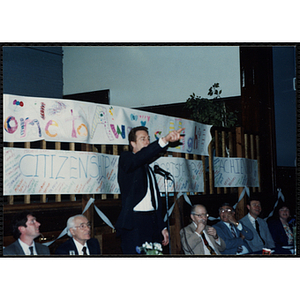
<point x="252" y="220"/>
<point x="227" y="224"/>
<point x="239" y="227"/>
<point x="25" y="247"/>
<point x="79" y="247"/>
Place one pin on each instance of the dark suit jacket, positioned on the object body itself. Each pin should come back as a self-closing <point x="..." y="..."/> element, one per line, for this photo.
<point x="132" y="178"/>
<point x="190" y="240"/>
<point x="92" y="244"/>
<point x="16" y="249"/>
<point x="233" y="243"/>
<point x="278" y="233"/>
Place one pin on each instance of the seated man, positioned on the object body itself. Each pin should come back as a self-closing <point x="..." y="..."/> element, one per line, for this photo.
<point x="261" y="235"/>
<point x="198" y="238"/>
<point x="80" y="242"/>
<point x="25" y="228"/>
<point x="232" y="232"/>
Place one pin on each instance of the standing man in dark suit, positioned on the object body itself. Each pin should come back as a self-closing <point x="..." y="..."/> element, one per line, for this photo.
<point x="141" y="219"/>
<point x="80" y="242"/>
<point x="232" y="232"/>
<point x="25" y="229"/>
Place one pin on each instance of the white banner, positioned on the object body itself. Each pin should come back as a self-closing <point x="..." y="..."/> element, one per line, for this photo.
<point x="38" y="171"/>
<point x="235" y="172"/>
<point x="187" y="174"/>
<point x="41" y="171"/>
<point x="31" y="119"/>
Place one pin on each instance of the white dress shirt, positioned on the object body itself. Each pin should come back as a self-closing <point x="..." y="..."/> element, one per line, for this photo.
<point x="79" y="247"/>
<point x="26" y="249"/>
<point x="145" y="204"/>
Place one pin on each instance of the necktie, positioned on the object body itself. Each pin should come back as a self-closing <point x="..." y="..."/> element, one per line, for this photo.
<point x="151" y="183"/>
<point x="240" y="248"/>
<point x="257" y="229"/>
<point x="31" y="250"/>
<point x="211" y="250"/>
<point x="84" y="250"/>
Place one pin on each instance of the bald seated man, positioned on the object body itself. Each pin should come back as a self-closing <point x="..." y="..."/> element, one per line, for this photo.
<point x="80" y="242"/>
<point x="198" y="237"/>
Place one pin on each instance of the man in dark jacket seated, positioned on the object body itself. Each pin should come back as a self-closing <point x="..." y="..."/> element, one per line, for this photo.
<point x="25" y="229"/>
<point x="80" y="243"/>
<point x="232" y="232"/>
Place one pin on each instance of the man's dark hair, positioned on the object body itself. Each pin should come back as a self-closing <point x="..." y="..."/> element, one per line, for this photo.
<point x="248" y="202"/>
<point x="132" y="134"/>
<point x="19" y="219"/>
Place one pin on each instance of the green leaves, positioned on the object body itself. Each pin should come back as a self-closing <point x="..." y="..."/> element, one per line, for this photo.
<point x="211" y="111"/>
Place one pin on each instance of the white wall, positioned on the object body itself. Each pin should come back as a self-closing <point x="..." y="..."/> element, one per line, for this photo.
<point x="151" y="75"/>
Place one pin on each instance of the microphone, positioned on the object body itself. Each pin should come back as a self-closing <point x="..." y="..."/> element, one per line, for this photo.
<point x="162" y="172"/>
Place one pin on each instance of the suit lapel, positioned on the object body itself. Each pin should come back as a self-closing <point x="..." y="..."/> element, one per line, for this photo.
<point x="19" y="249"/>
<point x="212" y="240"/>
<point x="90" y="246"/>
<point x="73" y="246"/>
<point x="200" y="244"/>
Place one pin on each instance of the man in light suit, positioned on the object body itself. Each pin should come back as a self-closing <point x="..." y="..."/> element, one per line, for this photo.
<point x="198" y="237"/>
<point x="262" y="237"/>
<point x="25" y="229"/>
<point x="141" y="218"/>
<point x="80" y="242"/>
<point x="232" y="232"/>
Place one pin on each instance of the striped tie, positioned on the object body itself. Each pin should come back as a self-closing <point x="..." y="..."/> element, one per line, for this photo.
<point x="240" y="248"/>
<point x="211" y="250"/>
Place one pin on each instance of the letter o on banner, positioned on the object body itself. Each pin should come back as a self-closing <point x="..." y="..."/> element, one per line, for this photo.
<point x="8" y="124"/>
<point x="82" y="133"/>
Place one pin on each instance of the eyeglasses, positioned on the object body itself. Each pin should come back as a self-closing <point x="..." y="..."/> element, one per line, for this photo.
<point x="32" y="221"/>
<point x="226" y="210"/>
<point x="202" y="215"/>
<point x="83" y="226"/>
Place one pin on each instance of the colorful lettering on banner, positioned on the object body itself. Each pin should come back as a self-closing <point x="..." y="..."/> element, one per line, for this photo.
<point x="157" y="135"/>
<point x="43" y="110"/>
<point x="32" y="118"/>
<point x="10" y="124"/>
<point x="50" y="123"/>
<point x="118" y="132"/>
<point x="187" y="174"/>
<point x="81" y="132"/>
<point x="235" y="172"/>
<point x="73" y="123"/>
<point x="57" y="108"/>
<point x="41" y="171"/>
<point x="100" y="117"/>
<point x="27" y="121"/>
<point x="182" y="140"/>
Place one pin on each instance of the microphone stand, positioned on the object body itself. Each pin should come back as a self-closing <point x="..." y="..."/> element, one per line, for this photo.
<point x="167" y="207"/>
